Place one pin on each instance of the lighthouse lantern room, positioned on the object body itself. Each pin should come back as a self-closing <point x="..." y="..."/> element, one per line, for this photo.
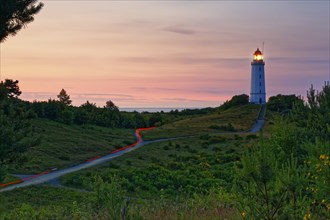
<point x="258" y="88"/>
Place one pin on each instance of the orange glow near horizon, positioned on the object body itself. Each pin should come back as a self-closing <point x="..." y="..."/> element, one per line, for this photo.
<point x="166" y="54"/>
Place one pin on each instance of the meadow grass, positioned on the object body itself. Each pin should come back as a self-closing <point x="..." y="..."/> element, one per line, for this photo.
<point x="241" y="118"/>
<point x="149" y="174"/>
<point x="63" y="145"/>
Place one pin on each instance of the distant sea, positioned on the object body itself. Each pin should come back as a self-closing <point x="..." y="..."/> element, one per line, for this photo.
<point x="152" y="109"/>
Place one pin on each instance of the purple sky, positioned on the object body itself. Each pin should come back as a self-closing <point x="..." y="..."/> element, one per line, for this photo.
<point x="168" y="53"/>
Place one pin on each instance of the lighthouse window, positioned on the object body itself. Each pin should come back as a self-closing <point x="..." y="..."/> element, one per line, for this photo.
<point x="260" y="91"/>
<point x="259" y="68"/>
<point x="259" y="76"/>
<point x="259" y="83"/>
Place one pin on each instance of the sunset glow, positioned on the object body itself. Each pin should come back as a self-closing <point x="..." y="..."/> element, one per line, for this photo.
<point x="167" y="53"/>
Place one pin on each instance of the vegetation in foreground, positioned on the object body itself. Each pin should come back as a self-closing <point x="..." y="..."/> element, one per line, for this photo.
<point x="284" y="174"/>
<point x="58" y="149"/>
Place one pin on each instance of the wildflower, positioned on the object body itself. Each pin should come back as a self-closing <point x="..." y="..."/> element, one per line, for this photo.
<point x="243" y="214"/>
<point x="307" y="216"/>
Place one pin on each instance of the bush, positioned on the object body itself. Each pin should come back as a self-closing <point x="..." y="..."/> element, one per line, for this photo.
<point x="64" y="157"/>
<point x="283" y="103"/>
<point x="251" y="136"/>
<point x="236" y="100"/>
<point x="214" y="127"/>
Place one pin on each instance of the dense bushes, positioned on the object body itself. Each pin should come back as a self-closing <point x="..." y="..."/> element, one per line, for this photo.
<point x="236" y="100"/>
<point x="288" y="175"/>
<point x="16" y="132"/>
<point x="87" y="113"/>
<point x="283" y="103"/>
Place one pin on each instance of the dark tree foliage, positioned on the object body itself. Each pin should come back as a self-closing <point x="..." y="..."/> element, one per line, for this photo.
<point x="111" y="106"/>
<point x="236" y="100"/>
<point x="192" y="111"/>
<point x="3" y="93"/>
<point x="283" y="103"/>
<point x="16" y="132"/>
<point x="16" y="14"/>
<point x="317" y="114"/>
<point x="155" y="119"/>
<point x="11" y="88"/>
<point x="64" y="97"/>
<point x="287" y="175"/>
<point x="88" y="106"/>
<point x="53" y="109"/>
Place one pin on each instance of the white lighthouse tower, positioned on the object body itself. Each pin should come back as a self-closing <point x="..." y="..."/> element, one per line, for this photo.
<point x="258" y="88"/>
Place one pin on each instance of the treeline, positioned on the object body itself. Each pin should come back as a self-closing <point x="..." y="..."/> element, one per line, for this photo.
<point x="61" y="110"/>
<point x="89" y="113"/>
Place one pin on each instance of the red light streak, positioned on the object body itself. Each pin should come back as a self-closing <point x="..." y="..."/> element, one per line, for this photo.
<point x="139" y="139"/>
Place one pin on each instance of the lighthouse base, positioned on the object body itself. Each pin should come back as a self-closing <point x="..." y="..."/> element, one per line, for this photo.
<point x="258" y="98"/>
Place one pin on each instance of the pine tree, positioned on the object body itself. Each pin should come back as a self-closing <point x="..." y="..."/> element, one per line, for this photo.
<point x="16" y="14"/>
<point x="111" y="106"/>
<point x="64" y="97"/>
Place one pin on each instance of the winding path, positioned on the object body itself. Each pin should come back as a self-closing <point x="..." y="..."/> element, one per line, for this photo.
<point x="50" y="176"/>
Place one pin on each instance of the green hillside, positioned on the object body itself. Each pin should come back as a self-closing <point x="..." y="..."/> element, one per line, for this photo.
<point x="235" y="119"/>
<point x="213" y="171"/>
<point x="63" y="145"/>
<point x="176" y="168"/>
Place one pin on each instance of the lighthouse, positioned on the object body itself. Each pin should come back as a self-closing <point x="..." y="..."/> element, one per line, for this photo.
<point x="258" y="88"/>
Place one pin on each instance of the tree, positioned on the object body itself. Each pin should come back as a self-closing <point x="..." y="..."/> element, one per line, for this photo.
<point x="16" y="14"/>
<point x="3" y="93"/>
<point x="236" y="100"/>
<point x="318" y="113"/>
<point x="111" y="106"/>
<point x="11" y="87"/>
<point x="89" y="106"/>
<point x="272" y="178"/>
<point x="16" y="133"/>
<point x="64" y="97"/>
<point x="155" y="119"/>
<point x="283" y="103"/>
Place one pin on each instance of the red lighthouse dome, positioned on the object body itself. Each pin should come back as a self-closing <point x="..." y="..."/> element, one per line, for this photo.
<point x="258" y="55"/>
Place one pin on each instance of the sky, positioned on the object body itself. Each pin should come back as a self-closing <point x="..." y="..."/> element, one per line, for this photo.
<point x="168" y="53"/>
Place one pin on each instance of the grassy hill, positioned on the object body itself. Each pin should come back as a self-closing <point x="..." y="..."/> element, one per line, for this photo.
<point x="208" y="173"/>
<point x="63" y="145"/>
<point x="155" y="175"/>
<point x="239" y="118"/>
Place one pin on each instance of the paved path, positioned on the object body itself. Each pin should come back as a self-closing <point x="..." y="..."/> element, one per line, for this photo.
<point x="51" y="176"/>
<point x="260" y="122"/>
<point x="45" y="177"/>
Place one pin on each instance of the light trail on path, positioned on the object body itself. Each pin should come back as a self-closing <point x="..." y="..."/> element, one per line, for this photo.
<point x="49" y="175"/>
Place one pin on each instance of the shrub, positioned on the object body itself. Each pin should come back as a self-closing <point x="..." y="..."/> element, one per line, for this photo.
<point x="214" y="127"/>
<point x="251" y="136"/>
